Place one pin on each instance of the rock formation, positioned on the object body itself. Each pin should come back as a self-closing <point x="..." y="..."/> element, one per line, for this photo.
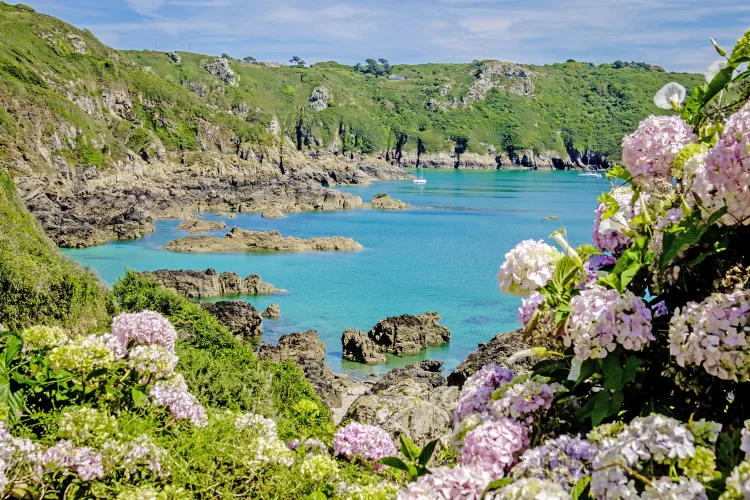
<point x="309" y="353"/>
<point x="221" y="70"/>
<point x="174" y="56"/>
<point x="240" y="318"/>
<point x="400" y="335"/>
<point x="415" y="401"/>
<point x="240" y="240"/>
<point x="208" y="283"/>
<point x="382" y="201"/>
<point x="272" y="311"/>
<point x="201" y="226"/>
<point x="319" y="99"/>
<point x="497" y="351"/>
<point x="272" y="213"/>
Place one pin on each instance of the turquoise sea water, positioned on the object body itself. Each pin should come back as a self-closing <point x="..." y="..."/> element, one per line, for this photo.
<point x="442" y="255"/>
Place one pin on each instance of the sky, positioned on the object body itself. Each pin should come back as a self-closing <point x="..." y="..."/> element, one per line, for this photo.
<point x="673" y="34"/>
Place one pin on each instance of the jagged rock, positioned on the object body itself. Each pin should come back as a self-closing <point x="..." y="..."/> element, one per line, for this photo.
<point x="272" y="311"/>
<point x="240" y="318"/>
<point x="309" y="353"/>
<point x="319" y="99"/>
<point x="400" y="335"/>
<point x="497" y="351"/>
<point x="381" y="170"/>
<point x="382" y="201"/>
<point x="445" y="89"/>
<point x="358" y="347"/>
<point x="120" y="102"/>
<point x="174" y="56"/>
<point x="201" y="226"/>
<point x="199" y="284"/>
<point x="414" y="401"/>
<point x="272" y="213"/>
<point x="78" y="44"/>
<point x="220" y="69"/>
<point x="240" y="240"/>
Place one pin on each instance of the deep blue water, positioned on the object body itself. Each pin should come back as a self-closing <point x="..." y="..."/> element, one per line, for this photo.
<point x="442" y="256"/>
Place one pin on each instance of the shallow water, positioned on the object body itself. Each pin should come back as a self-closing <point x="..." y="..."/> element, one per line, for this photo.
<point x="442" y="256"/>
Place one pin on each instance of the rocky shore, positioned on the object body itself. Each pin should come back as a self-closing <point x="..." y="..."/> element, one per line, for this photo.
<point x="241" y="240"/>
<point x="399" y="335"/>
<point x="209" y="283"/>
<point x="382" y="201"/>
<point x="239" y="317"/>
<point x="201" y="226"/>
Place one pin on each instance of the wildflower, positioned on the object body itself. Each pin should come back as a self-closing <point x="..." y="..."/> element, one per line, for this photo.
<point x="458" y="483"/>
<point x="315" y="447"/>
<point x="600" y="319"/>
<point x="368" y="442"/>
<point x="84" y="461"/>
<point x="527" y="267"/>
<point x="742" y="47"/>
<point x="714" y="334"/>
<point x="269" y="449"/>
<point x="17" y="456"/>
<point x="256" y="424"/>
<point x="82" y="354"/>
<point x="670" y="96"/>
<point x="133" y="456"/>
<point x="713" y="69"/>
<point x="174" y="395"/>
<point x="494" y="446"/>
<point x="43" y="337"/>
<point x="381" y="491"/>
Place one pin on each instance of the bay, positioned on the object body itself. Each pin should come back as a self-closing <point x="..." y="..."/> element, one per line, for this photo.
<point x="442" y="255"/>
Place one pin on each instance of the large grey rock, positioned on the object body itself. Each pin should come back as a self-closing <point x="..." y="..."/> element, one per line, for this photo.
<point x="201" y="226"/>
<point x="220" y="69"/>
<point x="241" y="240"/>
<point x="382" y="201"/>
<point x="496" y="351"/>
<point x="319" y="98"/>
<point x="357" y="346"/>
<point x="272" y="311"/>
<point x="415" y="401"/>
<point x="209" y="283"/>
<point x="240" y="318"/>
<point x="309" y="353"/>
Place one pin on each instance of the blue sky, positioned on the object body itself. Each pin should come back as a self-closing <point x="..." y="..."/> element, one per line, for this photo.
<point x="671" y="33"/>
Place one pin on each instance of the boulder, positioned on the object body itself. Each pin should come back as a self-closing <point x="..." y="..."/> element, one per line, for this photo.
<point x="272" y="311"/>
<point x="201" y="226"/>
<point x="319" y="98"/>
<point x="358" y="347"/>
<point x="241" y="240"/>
<point x="272" y="213"/>
<point x="309" y="353"/>
<point x="496" y="351"/>
<point x="382" y="201"/>
<point x="221" y="70"/>
<point x="209" y="283"/>
<point x="240" y="318"/>
<point x="415" y="401"/>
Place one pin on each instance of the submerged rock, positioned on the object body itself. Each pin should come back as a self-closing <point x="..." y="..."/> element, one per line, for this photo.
<point x="240" y="240"/>
<point x="497" y="351"/>
<point x="309" y="353"/>
<point x="382" y="201"/>
<point x="209" y="283"/>
<point x="272" y="311"/>
<point x="414" y="400"/>
<point x="201" y="226"/>
<point x="240" y="318"/>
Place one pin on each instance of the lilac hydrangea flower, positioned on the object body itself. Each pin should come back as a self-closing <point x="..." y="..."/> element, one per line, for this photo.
<point x="365" y="441"/>
<point x="530" y="488"/>
<point x="527" y="267"/>
<point x="521" y="401"/>
<point x="494" y="446"/>
<point x="458" y="483"/>
<point x="174" y="395"/>
<point x="660" y="309"/>
<point x="145" y="327"/>
<point x="529" y="307"/>
<point x="594" y="264"/>
<point x="609" y="234"/>
<point x="84" y="461"/>
<point x="478" y="389"/>
<point x="564" y="460"/>
<point x="665" y="488"/>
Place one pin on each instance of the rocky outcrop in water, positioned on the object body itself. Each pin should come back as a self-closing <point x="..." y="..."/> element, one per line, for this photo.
<point x="309" y="353"/>
<point x="272" y="311"/>
<point x="239" y="317"/>
<point x="497" y="351"/>
<point x="209" y="283"/>
<point x="415" y="401"/>
<point x="201" y="226"/>
<point x="221" y="70"/>
<point x="399" y="335"/>
<point x="272" y="213"/>
<point x="382" y="201"/>
<point x="240" y="240"/>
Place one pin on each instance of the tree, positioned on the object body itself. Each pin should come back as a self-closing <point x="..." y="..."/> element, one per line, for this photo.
<point x="386" y="65"/>
<point x="374" y="67"/>
<point x="224" y="55"/>
<point x="461" y="142"/>
<point x="297" y="61"/>
<point x="250" y="59"/>
<point x="358" y="67"/>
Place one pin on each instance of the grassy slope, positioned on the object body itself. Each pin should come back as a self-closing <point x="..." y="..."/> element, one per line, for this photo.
<point x="574" y="104"/>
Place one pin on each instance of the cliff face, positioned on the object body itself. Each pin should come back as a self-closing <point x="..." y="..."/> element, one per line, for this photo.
<point x="524" y="160"/>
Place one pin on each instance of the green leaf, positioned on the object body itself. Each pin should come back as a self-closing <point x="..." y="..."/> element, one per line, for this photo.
<point x="612" y="372"/>
<point x="601" y="407"/>
<point x="588" y="368"/>
<point x="427" y="452"/>
<point x="629" y="372"/>
<point x="618" y="172"/>
<point x="139" y="398"/>
<point x="629" y="265"/>
<point x="496" y="485"/>
<point x="720" y="81"/>
<point x="615" y="402"/>
<point x="580" y="487"/>
<point x="395" y="463"/>
<point x="684" y="234"/>
<point x="13" y="347"/>
<point x="408" y="448"/>
<point x="317" y="495"/>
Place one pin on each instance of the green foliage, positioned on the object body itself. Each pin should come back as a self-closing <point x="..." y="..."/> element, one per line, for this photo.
<point x="417" y="459"/>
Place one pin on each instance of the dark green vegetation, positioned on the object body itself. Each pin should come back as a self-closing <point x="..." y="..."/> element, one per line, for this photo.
<point x="573" y="105"/>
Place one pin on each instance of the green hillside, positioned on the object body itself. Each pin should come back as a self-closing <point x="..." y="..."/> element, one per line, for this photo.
<point x="54" y="76"/>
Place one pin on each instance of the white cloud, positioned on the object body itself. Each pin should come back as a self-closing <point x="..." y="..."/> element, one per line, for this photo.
<point x="145" y="7"/>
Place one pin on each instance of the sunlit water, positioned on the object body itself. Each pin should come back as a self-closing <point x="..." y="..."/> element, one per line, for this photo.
<point x="442" y="255"/>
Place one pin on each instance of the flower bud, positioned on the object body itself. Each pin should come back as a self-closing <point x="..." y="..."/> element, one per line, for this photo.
<point x="722" y="52"/>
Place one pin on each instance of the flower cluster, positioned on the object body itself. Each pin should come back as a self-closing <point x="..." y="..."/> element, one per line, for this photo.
<point x="564" y="460"/>
<point x="145" y="327"/>
<point x="530" y="487"/>
<point x="745" y="442"/>
<point x="594" y="264"/>
<point x="16" y="454"/>
<point x="648" y="152"/>
<point x="458" y="483"/>
<point x="86" y="462"/>
<point x="477" y="391"/>
<point x="683" y="489"/>
<point x="742" y="47"/>
<point x="81" y="354"/>
<point x="133" y="455"/>
<point x="43" y="337"/>
<point x="256" y="424"/>
<point x="494" y="446"/>
<point x="86" y="425"/>
<point x="689" y="152"/>
<point x="673" y="216"/>
<point x="600" y="319"/>
<point x="610" y="234"/>
<point x="152" y="361"/>
<point x="318" y="468"/>
<point x="381" y="491"/>
<point x="738" y="483"/>
<point x="315" y="447"/>
<point x="364" y="441"/>
<point x="714" y="334"/>
<point x="521" y="401"/>
<point x="527" y="267"/>
<point x="529" y="307"/>
<point x="173" y="394"/>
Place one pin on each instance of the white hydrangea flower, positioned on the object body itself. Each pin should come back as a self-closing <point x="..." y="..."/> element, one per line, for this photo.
<point x="527" y="267"/>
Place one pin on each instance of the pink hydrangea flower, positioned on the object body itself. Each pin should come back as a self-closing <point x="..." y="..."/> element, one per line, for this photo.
<point x="601" y="318"/>
<point x="523" y="400"/>
<point x="145" y="327"/>
<point x="478" y="389"/>
<point x="369" y="442"/>
<point x="608" y="234"/>
<point x="494" y="446"/>
<point x="648" y="152"/>
<point x="527" y="267"/>
<point x="173" y="394"/>
<point x="458" y="483"/>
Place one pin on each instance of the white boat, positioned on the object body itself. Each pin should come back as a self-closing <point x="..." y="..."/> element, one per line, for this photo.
<point x="420" y="179"/>
<point x="590" y="173"/>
